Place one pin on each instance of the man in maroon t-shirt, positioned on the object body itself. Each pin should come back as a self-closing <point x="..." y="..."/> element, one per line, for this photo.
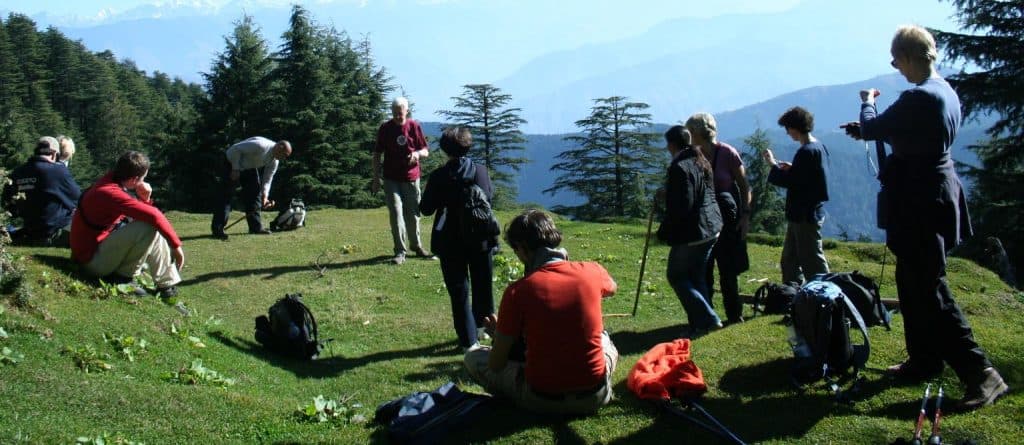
<point x="556" y="311"/>
<point x="402" y="144"/>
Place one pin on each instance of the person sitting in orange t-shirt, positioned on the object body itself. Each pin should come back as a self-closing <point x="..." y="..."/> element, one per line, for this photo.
<point x="556" y="311"/>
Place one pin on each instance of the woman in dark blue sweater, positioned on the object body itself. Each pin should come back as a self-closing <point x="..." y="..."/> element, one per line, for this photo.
<point x="460" y="257"/>
<point x="806" y="191"/>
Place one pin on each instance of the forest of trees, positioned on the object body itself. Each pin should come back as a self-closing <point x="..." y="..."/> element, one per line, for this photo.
<point x="320" y="89"/>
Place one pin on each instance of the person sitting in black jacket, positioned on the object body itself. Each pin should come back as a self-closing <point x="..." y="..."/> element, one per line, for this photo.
<point x="44" y="195"/>
<point x="459" y="256"/>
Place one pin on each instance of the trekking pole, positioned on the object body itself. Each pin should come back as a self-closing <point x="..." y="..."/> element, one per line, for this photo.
<point x="936" y="438"/>
<point x="718" y="424"/>
<point x="236" y="221"/>
<point x="643" y="259"/>
<point x="921" y="416"/>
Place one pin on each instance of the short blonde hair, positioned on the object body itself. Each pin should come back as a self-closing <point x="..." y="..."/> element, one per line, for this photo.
<point x="67" y="147"/>
<point x="915" y="43"/>
<point x="703" y="124"/>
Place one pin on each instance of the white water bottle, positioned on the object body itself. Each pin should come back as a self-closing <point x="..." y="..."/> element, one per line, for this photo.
<point x="800" y="348"/>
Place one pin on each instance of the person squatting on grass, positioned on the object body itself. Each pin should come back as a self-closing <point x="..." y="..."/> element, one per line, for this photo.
<point x="927" y="216"/>
<point x="401" y="142"/>
<point x="556" y="310"/>
<point x="115" y="251"/>
<point x="733" y="194"/>
<point x="690" y="226"/>
<point x="806" y="191"/>
<point x="459" y="256"/>
<point x="245" y="159"/>
<point x="44" y="195"/>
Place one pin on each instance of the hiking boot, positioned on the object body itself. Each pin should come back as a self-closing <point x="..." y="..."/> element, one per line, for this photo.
<point x="983" y="390"/>
<point x="167" y="292"/>
<point x="912" y="373"/>
<point x="263" y="231"/>
<point x="398" y="259"/>
<point x="115" y="278"/>
<point x="424" y="254"/>
<point x="220" y="235"/>
<point x="733" y="321"/>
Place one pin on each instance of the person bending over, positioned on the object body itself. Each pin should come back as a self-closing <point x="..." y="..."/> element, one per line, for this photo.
<point x="555" y="310"/>
<point x="251" y="163"/>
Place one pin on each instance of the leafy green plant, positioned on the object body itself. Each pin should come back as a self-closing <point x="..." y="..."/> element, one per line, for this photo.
<point x="196" y="374"/>
<point x="106" y="291"/>
<point x="506" y="270"/>
<point x="106" y="439"/>
<point x="88" y="359"/>
<point x="126" y="345"/>
<point x="324" y="410"/>
<point x="186" y="335"/>
<point x="9" y="357"/>
<point x="3" y="333"/>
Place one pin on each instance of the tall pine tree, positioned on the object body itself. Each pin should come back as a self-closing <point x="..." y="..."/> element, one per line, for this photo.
<point x="615" y="166"/>
<point x="767" y="208"/>
<point x="992" y="42"/>
<point x="483" y="108"/>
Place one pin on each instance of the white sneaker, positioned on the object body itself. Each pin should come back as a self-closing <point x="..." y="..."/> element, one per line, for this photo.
<point x="474" y="347"/>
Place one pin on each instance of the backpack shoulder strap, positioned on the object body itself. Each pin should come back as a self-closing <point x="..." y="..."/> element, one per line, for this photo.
<point x="860" y="352"/>
<point x="759" y="296"/>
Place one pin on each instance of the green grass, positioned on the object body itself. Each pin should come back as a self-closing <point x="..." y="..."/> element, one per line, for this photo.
<point x="392" y="335"/>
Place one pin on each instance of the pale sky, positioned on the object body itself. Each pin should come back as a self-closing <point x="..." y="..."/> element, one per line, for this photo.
<point x="651" y="11"/>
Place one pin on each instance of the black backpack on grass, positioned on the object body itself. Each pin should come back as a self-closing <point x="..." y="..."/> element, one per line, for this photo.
<point x="289" y="328"/>
<point x="772" y="298"/>
<point x="426" y="417"/>
<point x="821" y="319"/>
<point x="864" y="294"/>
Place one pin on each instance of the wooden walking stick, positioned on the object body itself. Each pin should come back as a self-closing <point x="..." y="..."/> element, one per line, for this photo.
<point x="643" y="260"/>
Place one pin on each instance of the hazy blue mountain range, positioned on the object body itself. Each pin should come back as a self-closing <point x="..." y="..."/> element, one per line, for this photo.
<point x="556" y="58"/>
<point x="852" y="185"/>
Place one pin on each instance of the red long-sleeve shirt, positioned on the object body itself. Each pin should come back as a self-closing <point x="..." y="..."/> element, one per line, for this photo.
<point x="104" y="204"/>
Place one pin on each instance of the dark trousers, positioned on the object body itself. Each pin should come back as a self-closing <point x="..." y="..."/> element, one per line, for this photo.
<point x="468" y="315"/>
<point x="728" y="283"/>
<point x="250" y="197"/>
<point x="935" y="329"/>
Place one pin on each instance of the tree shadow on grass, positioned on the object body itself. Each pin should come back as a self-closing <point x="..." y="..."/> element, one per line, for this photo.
<point x="271" y="273"/>
<point x="630" y="342"/>
<point x="330" y="366"/>
<point x="504" y="419"/>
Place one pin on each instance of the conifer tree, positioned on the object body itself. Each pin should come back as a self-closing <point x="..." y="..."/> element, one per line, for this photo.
<point x="767" y="208"/>
<point x="497" y="139"/>
<point x="615" y="166"/>
<point x="992" y="42"/>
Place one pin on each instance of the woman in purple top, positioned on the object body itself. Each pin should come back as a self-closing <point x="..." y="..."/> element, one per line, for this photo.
<point x="733" y="194"/>
<point x="927" y="216"/>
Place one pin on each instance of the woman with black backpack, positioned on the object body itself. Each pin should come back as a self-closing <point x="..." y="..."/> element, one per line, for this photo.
<point x="691" y="226"/>
<point x="465" y="233"/>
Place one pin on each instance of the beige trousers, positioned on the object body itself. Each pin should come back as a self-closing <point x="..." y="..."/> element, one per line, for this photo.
<point x="510" y="382"/>
<point x="127" y="249"/>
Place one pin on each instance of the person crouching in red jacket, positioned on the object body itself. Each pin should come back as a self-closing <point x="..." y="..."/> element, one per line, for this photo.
<point x="115" y="251"/>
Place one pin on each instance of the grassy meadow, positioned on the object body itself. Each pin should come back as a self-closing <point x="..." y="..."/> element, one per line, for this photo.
<point x="392" y="334"/>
